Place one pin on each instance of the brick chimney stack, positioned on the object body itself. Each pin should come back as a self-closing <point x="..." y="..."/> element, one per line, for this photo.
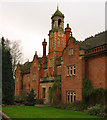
<point x="67" y="32"/>
<point x="44" y="43"/>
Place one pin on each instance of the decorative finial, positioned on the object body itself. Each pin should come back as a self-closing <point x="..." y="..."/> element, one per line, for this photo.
<point x="57" y="7"/>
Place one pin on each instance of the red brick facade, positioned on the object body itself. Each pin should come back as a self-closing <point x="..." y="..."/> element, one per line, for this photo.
<point x="68" y="60"/>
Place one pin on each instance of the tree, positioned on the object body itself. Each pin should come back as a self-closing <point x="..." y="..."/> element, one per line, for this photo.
<point x="16" y="53"/>
<point x="7" y="75"/>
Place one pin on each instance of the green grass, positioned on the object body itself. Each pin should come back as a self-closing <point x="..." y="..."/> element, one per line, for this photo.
<point x="42" y="112"/>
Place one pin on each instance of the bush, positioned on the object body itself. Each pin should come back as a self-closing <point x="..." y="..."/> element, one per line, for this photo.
<point x="21" y="98"/>
<point x="39" y="101"/>
<point x="98" y="110"/>
<point x="93" y="96"/>
<point x="76" y="106"/>
<point x="97" y="97"/>
<point x="30" y="98"/>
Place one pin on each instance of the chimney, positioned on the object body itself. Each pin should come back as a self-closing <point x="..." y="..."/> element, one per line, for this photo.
<point x="67" y="32"/>
<point x="44" y="43"/>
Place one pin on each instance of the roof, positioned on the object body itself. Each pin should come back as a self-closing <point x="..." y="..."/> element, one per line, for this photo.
<point x="25" y="66"/>
<point x="40" y="60"/>
<point x="58" y="13"/>
<point x="91" y="42"/>
<point x="94" y="41"/>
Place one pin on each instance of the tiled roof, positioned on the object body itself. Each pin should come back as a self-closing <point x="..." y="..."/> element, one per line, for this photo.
<point x="91" y="42"/>
<point x="40" y="60"/>
<point x="94" y="41"/>
<point x="25" y="66"/>
<point x="58" y="13"/>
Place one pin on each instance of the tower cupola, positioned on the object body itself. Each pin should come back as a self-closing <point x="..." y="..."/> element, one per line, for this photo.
<point x="57" y="20"/>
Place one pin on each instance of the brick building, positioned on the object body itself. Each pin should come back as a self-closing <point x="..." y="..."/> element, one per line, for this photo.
<point x="68" y="60"/>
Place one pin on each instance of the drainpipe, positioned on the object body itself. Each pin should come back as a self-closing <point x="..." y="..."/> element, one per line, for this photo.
<point x="85" y="67"/>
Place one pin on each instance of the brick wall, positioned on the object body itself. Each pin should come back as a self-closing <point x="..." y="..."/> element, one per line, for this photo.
<point x="96" y="71"/>
<point x="18" y="79"/>
<point x="74" y="82"/>
<point x="35" y="76"/>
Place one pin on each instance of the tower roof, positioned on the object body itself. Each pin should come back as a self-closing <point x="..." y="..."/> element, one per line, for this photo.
<point x="58" y="13"/>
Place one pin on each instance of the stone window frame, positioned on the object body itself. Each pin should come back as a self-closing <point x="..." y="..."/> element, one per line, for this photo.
<point x="70" y="51"/>
<point x="69" y="94"/>
<point x="68" y="97"/>
<point x="68" y="70"/>
<point x="74" y="70"/>
<point x="71" y="69"/>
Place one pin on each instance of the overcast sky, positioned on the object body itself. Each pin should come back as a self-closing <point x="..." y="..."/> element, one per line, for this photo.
<point x="30" y="22"/>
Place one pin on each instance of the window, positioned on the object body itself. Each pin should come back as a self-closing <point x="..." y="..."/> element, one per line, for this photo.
<point x="34" y="64"/>
<point x="43" y="92"/>
<point x="68" y="96"/>
<point x="70" y="70"/>
<point x="67" y="70"/>
<point x="74" y="70"/>
<point x="71" y="96"/>
<point x="74" y="96"/>
<point x="59" y="23"/>
<point x="70" y="51"/>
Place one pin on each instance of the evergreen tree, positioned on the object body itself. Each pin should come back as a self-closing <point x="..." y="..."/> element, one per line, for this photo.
<point x="30" y="99"/>
<point x="7" y="75"/>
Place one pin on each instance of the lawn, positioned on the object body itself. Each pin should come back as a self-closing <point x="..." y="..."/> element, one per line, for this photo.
<point x="42" y="112"/>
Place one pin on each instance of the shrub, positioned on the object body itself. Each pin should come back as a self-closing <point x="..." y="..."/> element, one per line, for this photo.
<point x="60" y="105"/>
<point x="97" y="96"/>
<point x="30" y="98"/>
<point x="93" y="96"/>
<point x="21" y="98"/>
<point x="98" y="110"/>
<point x="77" y="106"/>
<point x="39" y="101"/>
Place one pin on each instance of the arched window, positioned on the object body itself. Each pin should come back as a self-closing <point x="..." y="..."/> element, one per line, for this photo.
<point x="59" y="22"/>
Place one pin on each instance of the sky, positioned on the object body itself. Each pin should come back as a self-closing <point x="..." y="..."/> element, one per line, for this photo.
<point x="29" y="21"/>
